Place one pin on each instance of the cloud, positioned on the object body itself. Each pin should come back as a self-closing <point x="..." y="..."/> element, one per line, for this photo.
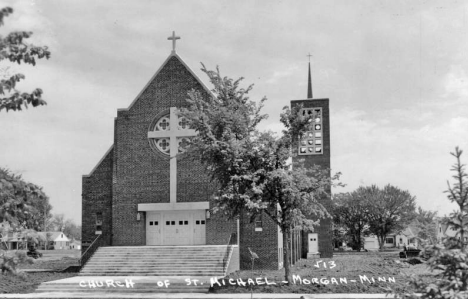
<point x="413" y="157"/>
<point x="27" y="16"/>
<point x="283" y="73"/>
<point x="456" y="82"/>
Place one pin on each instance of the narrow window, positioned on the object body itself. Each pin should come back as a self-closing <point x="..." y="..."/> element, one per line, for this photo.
<point x="98" y="223"/>
<point x="259" y="223"/>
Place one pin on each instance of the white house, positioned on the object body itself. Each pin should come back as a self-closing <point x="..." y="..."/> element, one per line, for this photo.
<point x="444" y="231"/>
<point x="399" y="240"/>
<point x="75" y="244"/>
<point x="56" y="239"/>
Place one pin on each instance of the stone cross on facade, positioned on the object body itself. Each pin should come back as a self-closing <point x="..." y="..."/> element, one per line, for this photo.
<point x="173" y="38"/>
<point x="175" y="132"/>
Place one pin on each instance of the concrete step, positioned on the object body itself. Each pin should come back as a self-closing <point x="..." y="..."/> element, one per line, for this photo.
<point x="166" y="267"/>
<point x="162" y="252"/>
<point x="174" y="261"/>
<point x="152" y="273"/>
<point x="159" y="257"/>
<point x="158" y="261"/>
<point x="162" y="256"/>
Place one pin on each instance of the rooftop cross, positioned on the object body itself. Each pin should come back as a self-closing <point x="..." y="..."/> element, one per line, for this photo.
<point x="309" y="56"/>
<point x="173" y="38"/>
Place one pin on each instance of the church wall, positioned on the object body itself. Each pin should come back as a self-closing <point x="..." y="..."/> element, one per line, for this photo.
<point x="264" y="243"/>
<point x="219" y="229"/>
<point x="97" y="198"/>
<point x="142" y="173"/>
<point x="325" y="229"/>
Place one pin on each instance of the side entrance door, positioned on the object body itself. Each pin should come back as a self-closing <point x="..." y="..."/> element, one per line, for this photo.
<point x="153" y="229"/>
<point x="313" y="242"/>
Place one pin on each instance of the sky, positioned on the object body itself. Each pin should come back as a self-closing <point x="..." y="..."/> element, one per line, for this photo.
<point x="396" y="74"/>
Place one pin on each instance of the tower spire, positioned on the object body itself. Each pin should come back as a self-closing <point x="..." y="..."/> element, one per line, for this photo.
<point x="309" y="82"/>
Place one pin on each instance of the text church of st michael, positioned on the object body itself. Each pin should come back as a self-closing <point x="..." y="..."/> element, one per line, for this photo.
<point x="142" y="195"/>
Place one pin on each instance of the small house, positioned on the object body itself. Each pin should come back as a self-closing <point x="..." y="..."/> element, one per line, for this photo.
<point x="54" y="240"/>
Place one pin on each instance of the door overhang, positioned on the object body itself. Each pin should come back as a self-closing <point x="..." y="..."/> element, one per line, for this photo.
<point x="176" y="206"/>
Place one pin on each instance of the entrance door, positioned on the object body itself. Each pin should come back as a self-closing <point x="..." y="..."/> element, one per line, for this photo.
<point x="153" y="229"/>
<point x="176" y="228"/>
<point x="313" y="242"/>
<point x="170" y="229"/>
<point x="199" y="224"/>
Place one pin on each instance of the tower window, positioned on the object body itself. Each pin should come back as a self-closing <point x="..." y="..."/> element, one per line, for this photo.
<point x="311" y="142"/>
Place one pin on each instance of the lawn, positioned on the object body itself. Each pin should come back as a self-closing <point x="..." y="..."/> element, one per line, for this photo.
<point x="55" y="260"/>
<point x="369" y="273"/>
<point x="311" y="275"/>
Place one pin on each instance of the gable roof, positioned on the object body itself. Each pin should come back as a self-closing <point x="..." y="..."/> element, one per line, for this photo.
<point x="99" y="163"/>
<point x="157" y="73"/>
<point x="52" y="235"/>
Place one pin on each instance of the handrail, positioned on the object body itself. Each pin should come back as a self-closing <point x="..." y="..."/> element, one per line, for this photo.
<point x="90" y="251"/>
<point x="232" y="241"/>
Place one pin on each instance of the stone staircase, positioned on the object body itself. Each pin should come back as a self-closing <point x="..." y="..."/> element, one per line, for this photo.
<point x="156" y="261"/>
<point x="145" y="269"/>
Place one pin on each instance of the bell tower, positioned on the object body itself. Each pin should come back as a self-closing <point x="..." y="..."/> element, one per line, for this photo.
<point x="314" y="149"/>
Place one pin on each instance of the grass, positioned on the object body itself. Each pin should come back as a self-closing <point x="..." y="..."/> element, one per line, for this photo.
<point x="54" y="260"/>
<point x="372" y="265"/>
<point x="365" y="270"/>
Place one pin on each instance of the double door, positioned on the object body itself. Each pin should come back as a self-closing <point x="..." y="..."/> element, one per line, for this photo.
<point x="176" y="227"/>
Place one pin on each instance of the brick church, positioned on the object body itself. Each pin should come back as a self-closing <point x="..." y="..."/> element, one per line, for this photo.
<point x="142" y="194"/>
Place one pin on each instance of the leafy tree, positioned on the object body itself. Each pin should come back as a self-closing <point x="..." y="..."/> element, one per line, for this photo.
<point x="350" y="213"/>
<point x="14" y="48"/>
<point x="425" y="225"/>
<point x="251" y="167"/>
<point x="449" y="259"/>
<point x="72" y="230"/>
<point x="20" y="201"/>
<point x="389" y="210"/>
<point x="58" y="222"/>
<point x="9" y="262"/>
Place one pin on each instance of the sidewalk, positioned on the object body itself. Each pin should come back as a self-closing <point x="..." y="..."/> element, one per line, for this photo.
<point x="195" y="296"/>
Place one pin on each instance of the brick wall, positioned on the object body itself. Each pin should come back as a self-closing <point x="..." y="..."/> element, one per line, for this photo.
<point x="219" y="229"/>
<point x="324" y="230"/>
<point x="264" y="243"/>
<point x="97" y="197"/>
<point x="141" y="173"/>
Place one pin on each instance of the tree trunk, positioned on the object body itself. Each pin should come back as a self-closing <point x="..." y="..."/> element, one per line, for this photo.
<point x="286" y="254"/>
<point x="359" y="238"/>
<point x="381" y="241"/>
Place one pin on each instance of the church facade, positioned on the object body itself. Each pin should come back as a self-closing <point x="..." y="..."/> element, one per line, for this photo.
<point x="142" y="194"/>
